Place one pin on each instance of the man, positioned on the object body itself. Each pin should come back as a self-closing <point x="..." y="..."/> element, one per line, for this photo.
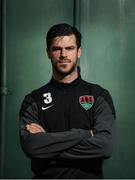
<point x="66" y="126"/>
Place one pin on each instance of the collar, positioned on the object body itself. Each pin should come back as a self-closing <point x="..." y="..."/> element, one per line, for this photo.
<point x="65" y="85"/>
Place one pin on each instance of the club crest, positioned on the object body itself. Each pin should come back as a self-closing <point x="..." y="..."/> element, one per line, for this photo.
<point x="86" y="101"/>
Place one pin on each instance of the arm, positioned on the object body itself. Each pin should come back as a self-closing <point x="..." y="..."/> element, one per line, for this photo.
<point x="99" y="145"/>
<point x="43" y="144"/>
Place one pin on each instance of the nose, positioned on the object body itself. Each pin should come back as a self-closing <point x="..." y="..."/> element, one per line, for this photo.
<point x="63" y="53"/>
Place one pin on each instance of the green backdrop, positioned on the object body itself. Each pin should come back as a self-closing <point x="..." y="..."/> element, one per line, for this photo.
<point x="108" y="59"/>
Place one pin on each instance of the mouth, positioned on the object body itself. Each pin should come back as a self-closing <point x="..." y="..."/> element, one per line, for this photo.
<point x="65" y="61"/>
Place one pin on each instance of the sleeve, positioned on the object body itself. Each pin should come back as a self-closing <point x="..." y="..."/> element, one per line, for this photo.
<point x="44" y="145"/>
<point x="101" y="144"/>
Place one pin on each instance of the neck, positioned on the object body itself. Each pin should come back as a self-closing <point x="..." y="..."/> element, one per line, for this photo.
<point x="65" y="79"/>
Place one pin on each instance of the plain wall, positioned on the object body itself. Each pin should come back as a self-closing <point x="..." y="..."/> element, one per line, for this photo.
<point x="108" y="59"/>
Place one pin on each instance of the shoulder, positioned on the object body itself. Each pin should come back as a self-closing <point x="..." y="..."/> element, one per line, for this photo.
<point x="35" y="94"/>
<point x="40" y="90"/>
<point x="95" y="89"/>
<point x="99" y="93"/>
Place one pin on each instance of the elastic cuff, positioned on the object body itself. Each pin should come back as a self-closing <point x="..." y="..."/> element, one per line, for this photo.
<point x="91" y="133"/>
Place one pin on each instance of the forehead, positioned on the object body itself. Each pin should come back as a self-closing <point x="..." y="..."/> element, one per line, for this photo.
<point x="64" y="40"/>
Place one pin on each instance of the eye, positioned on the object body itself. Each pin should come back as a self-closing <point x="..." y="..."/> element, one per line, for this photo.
<point x="56" y="48"/>
<point x="70" y="48"/>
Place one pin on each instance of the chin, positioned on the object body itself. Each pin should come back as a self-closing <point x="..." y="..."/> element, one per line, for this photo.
<point x="64" y="72"/>
<point x="64" y="69"/>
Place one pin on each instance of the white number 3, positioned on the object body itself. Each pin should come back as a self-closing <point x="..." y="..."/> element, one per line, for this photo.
<point x="48" y="98"/>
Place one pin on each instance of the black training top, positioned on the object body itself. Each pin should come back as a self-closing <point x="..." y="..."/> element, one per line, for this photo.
<point x="79" y="122"/>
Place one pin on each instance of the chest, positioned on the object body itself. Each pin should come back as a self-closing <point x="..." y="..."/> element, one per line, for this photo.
<point x="63" y="110"/>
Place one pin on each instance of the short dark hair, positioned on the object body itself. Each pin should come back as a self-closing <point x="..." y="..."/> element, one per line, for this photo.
<point x="63" y="30"/>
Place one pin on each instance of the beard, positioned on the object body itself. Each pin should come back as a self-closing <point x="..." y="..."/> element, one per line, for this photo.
<point x="64" y="69"/>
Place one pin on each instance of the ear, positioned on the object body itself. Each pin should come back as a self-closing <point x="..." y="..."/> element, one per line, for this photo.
<point x="79" y="52"/>
<point x="48" y="53"/>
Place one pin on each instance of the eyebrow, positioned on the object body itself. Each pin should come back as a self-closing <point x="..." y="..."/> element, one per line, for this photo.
<point x="59" y="47"/>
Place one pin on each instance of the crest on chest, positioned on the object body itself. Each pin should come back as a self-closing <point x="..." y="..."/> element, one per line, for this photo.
<point x="86" y="101"/>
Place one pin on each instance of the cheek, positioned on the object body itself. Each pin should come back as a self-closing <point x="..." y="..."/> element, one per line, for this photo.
<point x="54" y="56"/>
<point x="74" y="56"/>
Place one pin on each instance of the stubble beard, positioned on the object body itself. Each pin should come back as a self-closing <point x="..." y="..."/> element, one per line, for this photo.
<point x="62" y="70"/>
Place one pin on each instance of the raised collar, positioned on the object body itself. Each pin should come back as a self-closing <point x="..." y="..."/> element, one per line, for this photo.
<point x="65" y="85"/>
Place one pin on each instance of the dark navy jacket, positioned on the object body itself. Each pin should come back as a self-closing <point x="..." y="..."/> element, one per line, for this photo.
<point x="79" y="120"/>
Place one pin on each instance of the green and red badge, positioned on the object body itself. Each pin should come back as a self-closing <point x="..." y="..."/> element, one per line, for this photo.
<point x="86" y="101"/>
